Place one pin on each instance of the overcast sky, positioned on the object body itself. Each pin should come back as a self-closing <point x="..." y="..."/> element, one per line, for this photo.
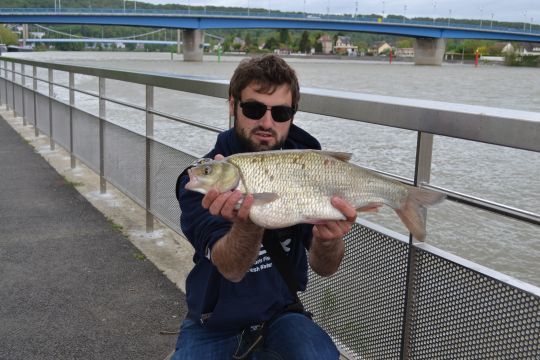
<point x="503" y="10"/>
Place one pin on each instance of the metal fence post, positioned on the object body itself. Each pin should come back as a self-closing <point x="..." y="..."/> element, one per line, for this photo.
<point x="71" y="105"/>
<point x="102" y="114"/>
<point x="1" y="90"/>
<point x="424" y="149"/>
<point x="34" y="87"/>
<point x="149" y="139"/>
<point x="5" y="83"/>
<point x="51" y="93"/>
<point x="23" y="83"/>
<point x="13" y="88"/>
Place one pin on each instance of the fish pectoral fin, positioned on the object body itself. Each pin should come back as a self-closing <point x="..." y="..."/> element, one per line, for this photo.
<point x="373" y="207"/>
<point x="342" y="156"/>
<point x="264" y="198"/>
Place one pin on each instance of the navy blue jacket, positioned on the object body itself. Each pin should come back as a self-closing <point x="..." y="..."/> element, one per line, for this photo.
<point x="216" y="302"/>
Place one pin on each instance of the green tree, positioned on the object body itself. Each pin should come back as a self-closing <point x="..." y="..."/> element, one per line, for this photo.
<point x="404" y="43"/>
<point x="8" y="37"/>
<point x="305" y="44"/>
<point x="271" y="43"/>
<point x="284" y="36"/>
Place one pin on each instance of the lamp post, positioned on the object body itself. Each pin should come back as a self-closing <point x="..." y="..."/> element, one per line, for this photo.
<point x="481" y="15"/>
<point x="434" y="11"/>
<point x="404" y="12"/>
<point x="124" y="5"/>
<point x="491" y="24"/>
<point x="530" y="25"/>
<point x="449" y="16"/>
<point x="524" y="19"/>
<point x="248" y="7"/>
<point x="383" y="9"/>
<point x="356" y="10"/>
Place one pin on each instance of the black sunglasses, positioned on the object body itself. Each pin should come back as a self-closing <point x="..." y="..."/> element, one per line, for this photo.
<point x="255" y="111"/>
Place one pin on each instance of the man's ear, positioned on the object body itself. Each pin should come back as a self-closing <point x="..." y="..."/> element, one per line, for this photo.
<point x="232" y="105"/>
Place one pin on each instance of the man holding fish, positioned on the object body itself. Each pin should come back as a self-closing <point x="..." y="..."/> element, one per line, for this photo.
<point x="233" y="287"/>
<point x="267" y="182"/>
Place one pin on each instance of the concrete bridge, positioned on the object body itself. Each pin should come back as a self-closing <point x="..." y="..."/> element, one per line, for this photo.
<point x="430" y="37"/>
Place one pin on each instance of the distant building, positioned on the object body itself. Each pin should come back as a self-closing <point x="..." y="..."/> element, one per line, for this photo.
<point x="37" y="34"/>
<point x="238" y="44"/>
<point x="344" y="45"/>
<point x="405" y="52"/>
<point x="508" y="49"/>
<point x="379" y="48"/>
<point x="326" y="42"/>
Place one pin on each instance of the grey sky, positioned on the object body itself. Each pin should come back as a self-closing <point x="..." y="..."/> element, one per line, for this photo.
<point x="503" y="10"/>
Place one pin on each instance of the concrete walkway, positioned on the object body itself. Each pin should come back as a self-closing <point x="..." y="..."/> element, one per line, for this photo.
<point x="72" y="286"/>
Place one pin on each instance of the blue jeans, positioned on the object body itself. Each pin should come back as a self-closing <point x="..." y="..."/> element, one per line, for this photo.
<point x="291" y="336"/>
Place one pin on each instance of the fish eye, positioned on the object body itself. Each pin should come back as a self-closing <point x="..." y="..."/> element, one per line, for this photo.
<point x="201" y="161"/>
<point x="207" y="170"/>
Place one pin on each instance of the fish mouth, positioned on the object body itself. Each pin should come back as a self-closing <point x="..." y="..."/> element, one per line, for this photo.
<point x="193" y="181"/>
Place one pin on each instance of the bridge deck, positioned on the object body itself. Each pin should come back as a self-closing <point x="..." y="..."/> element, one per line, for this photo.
<point x="72" y="287"/>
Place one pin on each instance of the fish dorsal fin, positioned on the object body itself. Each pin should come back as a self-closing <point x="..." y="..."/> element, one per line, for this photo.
<point x="343" y="156"/>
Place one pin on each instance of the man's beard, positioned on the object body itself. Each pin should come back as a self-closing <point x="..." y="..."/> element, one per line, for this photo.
<point x="250" y="145"/>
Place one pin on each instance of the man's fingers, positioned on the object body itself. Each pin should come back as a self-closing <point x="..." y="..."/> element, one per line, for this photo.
<point x="219" y="157"/>
<point x="209" y="198"/>
<point x="219" y="201"/>
<point x="228" y="210"/>
<point x="243" y="212"/>
<point x="345" y="208"/>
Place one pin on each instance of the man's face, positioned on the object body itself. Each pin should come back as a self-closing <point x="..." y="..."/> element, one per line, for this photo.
<point x="265" y="133"/>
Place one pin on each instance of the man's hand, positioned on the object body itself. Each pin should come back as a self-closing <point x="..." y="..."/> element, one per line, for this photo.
<point x="327" y="246"/>
<point x="332" y="230"/>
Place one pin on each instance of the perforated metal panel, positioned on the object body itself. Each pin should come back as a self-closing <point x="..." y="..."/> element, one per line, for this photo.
<point x="362" y="305"/>
<point x="60" y="121"/>
<point x="18" y="99"/>
<point x="18" y="94"/>
<point x="29" y="106"/>
<point x="460" y="313"/>
<point x="166" y="164"/>
<point x="42" y="114"/>
<point x="86" y="138"/>
<point x="3" y="91"/>
<point x="9" y="95"/>
<point x="125" y="159"/>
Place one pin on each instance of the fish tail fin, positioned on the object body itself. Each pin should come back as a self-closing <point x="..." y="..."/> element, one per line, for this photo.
<point x="411" y="212"/>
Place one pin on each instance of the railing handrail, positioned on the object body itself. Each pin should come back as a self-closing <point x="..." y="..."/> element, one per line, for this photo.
<point x="498" y="126"/>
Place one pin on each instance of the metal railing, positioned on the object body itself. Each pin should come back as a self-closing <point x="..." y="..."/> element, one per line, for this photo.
<point x="392" y="298"/>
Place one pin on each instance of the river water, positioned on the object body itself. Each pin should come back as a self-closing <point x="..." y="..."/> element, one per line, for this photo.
<point x="508" y="176"/>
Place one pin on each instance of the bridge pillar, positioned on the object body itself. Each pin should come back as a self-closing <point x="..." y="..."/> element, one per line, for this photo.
<point x="429" y="51"/>
<point x="25" y="34"/>
<point x="193" y="44"/>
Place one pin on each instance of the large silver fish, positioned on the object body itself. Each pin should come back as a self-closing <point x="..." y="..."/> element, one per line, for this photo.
<point x="296" y="186"/>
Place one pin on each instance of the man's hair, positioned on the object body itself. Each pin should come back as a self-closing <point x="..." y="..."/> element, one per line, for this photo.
<point x="268" y="72"/>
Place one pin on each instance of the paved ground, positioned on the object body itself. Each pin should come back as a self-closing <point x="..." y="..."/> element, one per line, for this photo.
<point x="71" y="285"/>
